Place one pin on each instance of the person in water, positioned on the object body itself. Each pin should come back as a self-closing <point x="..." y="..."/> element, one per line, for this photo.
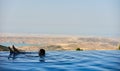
<point x="41" y="52"/>
<point x="15" y="51"/>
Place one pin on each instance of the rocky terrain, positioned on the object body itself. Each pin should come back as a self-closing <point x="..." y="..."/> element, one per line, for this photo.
<point x="3" y="48"/>
<point x="62" y="42"/>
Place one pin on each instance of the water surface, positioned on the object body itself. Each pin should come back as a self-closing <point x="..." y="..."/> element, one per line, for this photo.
<point x="62" y="61"/>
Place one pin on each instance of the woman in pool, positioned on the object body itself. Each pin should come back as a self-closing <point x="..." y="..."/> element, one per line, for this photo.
<point x="41" y="52"/>
<point x="14" y="50"/>
<point x="42" y="55"/>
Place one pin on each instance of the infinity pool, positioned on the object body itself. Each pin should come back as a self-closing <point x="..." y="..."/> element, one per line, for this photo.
<point x="62" y="61"/>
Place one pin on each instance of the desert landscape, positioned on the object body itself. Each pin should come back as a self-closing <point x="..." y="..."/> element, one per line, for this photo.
<point x="60" y="42"/>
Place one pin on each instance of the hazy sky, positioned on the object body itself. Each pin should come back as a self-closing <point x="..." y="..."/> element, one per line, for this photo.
<point x="70" y="17"/>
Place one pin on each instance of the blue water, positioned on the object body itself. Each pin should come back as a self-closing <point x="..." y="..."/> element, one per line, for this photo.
<point x="62" y="61"/>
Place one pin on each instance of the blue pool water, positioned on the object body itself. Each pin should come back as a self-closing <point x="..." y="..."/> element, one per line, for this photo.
<point x="62" y="61"/>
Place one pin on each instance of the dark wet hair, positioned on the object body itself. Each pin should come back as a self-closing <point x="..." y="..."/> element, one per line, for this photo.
<point x="41" y="52"/>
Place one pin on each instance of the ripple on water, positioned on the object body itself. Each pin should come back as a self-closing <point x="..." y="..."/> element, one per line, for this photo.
<point x="63" y="61"/>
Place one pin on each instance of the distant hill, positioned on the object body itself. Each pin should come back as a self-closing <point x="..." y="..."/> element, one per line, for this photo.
<point x="59" y="42"/>
<point x="3" y="48"/>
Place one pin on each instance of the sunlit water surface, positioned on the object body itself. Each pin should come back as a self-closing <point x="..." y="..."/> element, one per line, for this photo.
<point x="62" y="61"/>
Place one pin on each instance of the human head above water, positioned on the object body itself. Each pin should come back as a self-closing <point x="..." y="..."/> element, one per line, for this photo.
<point x="42" y="52"/>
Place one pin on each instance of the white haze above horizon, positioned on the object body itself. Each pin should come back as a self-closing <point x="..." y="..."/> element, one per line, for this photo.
<point x="67" y="17"/>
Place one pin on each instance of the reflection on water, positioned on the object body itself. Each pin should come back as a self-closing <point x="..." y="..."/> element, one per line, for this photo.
<point x="14" y="56"/>
<point x="42" y="59"/>
<point x="61" y="61"/>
